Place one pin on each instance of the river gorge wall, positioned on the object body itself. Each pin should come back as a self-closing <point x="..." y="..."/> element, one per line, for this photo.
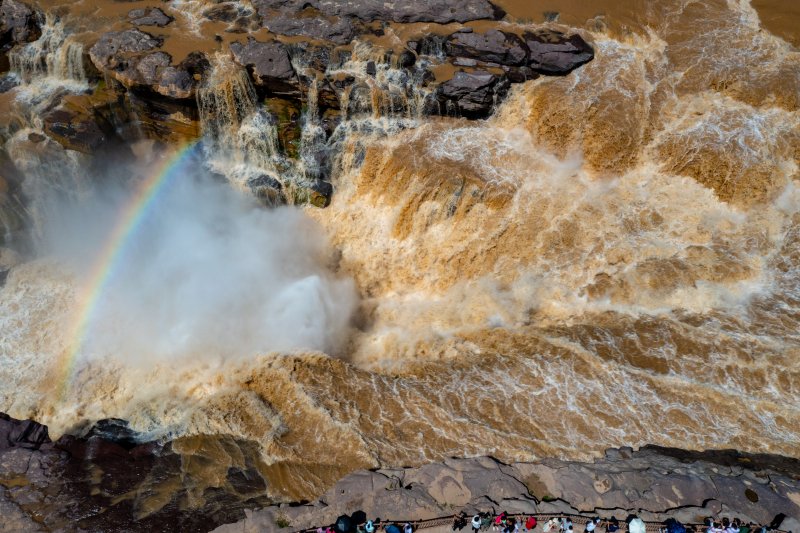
<point x="106" y="481"/>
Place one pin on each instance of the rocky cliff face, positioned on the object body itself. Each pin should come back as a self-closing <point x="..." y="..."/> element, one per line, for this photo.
<point x="654" y="483"/>
<point x="110" y="480"/>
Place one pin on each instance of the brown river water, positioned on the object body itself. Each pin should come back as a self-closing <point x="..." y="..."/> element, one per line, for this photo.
<point x="612" y="259"/>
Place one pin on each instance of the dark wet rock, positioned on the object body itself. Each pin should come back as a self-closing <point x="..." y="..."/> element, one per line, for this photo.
<point x="471" y="94"/>
<point x="520" y="74"/>
<point x="171" y="121"/>
<point x="226" y="12"/>
<point x="19" y="23"/>
<point x="441" y="11"/>
<point x="196" y="64"/>
<point x="268" y="64"/>
<point x="21" y="433"/>
<point x="114" y="430"/>
<point x="315" y="57"/>
<point x="269" y="191"/>
<point x="555" y="53"/>
<point x="340" y="22"/>
<point x="112" y="50"/>
<point x="493" y="46"/>
<point x="132" y="58"/>
<point x="8" y="81"/>
<point x="97" y="484"/>
<point x="338" y="30"/>
<point x="74" y="131"/>
<point x="320" y="193"/>
<point x="241" y="18"/>
<point x="151" y="16"/>
<point x="160" y="75"/>
<point x="407" y="59"/>
<point x="246" y="481"/>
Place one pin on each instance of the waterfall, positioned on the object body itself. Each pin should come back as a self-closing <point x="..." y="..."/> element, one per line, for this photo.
<point x="241" y="135"/>
<point x="54" y="177"/>
<point x="53" y="59"/>
<point x="380" y="90"/>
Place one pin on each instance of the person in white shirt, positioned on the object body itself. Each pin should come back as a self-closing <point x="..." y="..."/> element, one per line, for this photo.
<point x="550" y="525"/>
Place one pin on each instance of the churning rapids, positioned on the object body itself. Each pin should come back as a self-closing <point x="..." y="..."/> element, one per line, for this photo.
<point x="612" y="258"/>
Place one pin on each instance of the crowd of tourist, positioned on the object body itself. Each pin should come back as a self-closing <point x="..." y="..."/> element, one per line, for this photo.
<point x="506" y="523"/>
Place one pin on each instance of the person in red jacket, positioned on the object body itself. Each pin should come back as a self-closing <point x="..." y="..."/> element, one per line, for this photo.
<point x="530" y="523"/>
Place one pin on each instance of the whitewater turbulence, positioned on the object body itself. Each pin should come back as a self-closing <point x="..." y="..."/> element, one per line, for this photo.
<point x="205" y="277"/>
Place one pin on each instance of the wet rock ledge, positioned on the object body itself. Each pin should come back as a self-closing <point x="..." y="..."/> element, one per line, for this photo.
<point x="288" y="46"/>
<point x="305" y="65"/>
<point x="109" y="480"/>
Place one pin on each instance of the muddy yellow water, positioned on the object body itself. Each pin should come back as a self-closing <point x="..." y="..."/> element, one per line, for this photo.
<point x="612" y="259"/>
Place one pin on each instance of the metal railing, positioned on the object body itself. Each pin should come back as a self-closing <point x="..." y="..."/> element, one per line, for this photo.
<point x="541" y="518"/>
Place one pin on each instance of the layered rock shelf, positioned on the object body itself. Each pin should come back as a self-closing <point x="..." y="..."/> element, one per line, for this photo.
<point x="111" y="479"/>
<point x="330" y="60"/>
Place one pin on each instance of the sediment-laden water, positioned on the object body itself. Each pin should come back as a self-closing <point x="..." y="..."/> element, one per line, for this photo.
<point x="610" y="259"/>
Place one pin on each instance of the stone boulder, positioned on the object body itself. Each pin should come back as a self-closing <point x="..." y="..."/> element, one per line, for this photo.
<point x="493" y="46"/>
<point x="241" y="18"/>
<point x="471" y="94"/>
<point x="225" y="12"/>
<point x="151" y="16"/>
<point x="441" y="11"/>
<point x="338" y="30"/>
<point x="114" y="49"/>
<point x="19" y="23"/>
<point x="156" y="72"/>
<point x="555" y="53"/>
<point x="269" y="65"/>
<point x="21" y="433"/>
<point x="132" y="58"/>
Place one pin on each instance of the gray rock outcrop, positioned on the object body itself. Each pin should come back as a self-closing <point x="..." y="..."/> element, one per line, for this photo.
<point x="471" y="94"/>
<point x="133" y="58"/>
<point x="441" y="11"/>
<point x="553" y="52"/>
<point x="19" y="23"/>
<point x="493" y="46"/>
<point x="269" y="65"/>
<point x="151" y="16"/>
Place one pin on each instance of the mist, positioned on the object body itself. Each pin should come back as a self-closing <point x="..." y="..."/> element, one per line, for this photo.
<point x="207" y="275"/>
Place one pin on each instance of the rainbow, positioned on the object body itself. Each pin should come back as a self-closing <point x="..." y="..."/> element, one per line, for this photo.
<point x="130" y="219"/>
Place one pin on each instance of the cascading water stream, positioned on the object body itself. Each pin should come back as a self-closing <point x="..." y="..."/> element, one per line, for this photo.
<point x="55" y="61"/>
<point x="241" y="135"/>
